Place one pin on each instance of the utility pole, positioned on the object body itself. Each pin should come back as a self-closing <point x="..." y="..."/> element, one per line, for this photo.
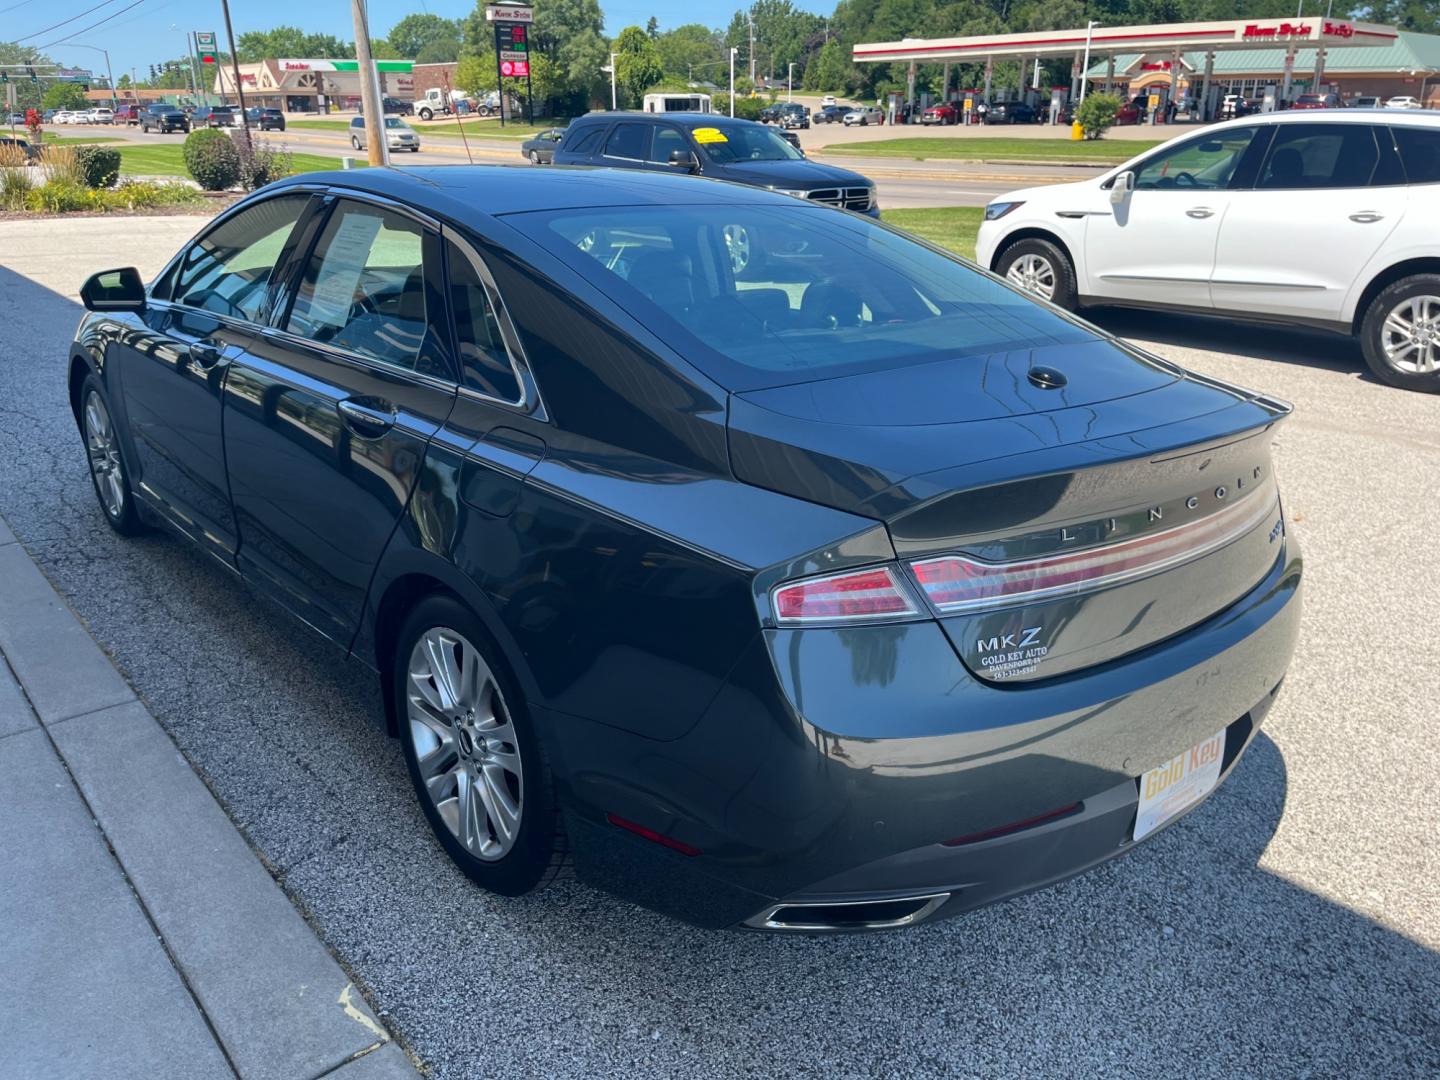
<point x="733" y="51"/>
<point x="614" y="98"/>
<point x="751" y="16"/>
<point x="376" y="147"/>
<point x="235" y="67"/>
<point x="1085" y="66"/>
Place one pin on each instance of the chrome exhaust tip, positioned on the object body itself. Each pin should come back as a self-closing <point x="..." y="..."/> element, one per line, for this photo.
<point x="840" y="916"/>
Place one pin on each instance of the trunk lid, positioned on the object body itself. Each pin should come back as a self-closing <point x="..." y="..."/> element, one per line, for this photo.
<point x="1160" y="478"/>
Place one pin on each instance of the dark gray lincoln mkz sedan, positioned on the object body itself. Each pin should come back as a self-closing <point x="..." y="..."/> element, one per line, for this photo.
<point x="776" y="568"/>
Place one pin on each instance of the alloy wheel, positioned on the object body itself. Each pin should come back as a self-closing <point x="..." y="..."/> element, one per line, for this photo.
<point x="104" y="454"/>
<point x="737" y="243"/>
<point x="1410" y="335"/>
<point x="465" y="746"/>
<point x="1033" y="273"/>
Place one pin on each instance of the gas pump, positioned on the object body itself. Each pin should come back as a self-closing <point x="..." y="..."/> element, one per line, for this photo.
<point x="1058" y="96"/>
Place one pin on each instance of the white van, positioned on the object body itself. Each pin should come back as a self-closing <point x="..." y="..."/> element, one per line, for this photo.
<point x="677" y="103"/>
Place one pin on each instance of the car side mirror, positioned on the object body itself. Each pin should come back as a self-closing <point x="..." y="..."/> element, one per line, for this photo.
<point x="1122" y="186"/>
<point x="684" y="159"/>
<point x="114" y="290"/>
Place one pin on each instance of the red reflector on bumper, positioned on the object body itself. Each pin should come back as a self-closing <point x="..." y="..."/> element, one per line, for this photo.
<point x="653" y="836"/>
<point x="1014" y="826"/>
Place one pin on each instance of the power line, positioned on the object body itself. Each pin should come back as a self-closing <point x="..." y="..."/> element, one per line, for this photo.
<point x="12" y="7"/>
<point x="87" y="11"/>
<point x="92" y="26"/>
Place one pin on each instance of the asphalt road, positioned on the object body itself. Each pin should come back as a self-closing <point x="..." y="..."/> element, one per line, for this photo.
<point x="901" y="183"/>
<point x="1288" y="928"/>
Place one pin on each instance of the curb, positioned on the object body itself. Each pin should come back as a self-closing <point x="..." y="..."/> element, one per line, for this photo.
<point x="272" y="997"/>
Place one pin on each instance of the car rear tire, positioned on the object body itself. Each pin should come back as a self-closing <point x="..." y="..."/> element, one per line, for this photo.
<point x="355" y="141"/>
<point x="1040" y="267"/>
<point x="108" y="475"/>
<point x="534" y="157"/>
<point x="1400" y="334"/>
<point x="474" y="758"/>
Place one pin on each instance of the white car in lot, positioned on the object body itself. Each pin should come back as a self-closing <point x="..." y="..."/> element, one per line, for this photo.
<point x="863" y="116"/>
<point x="100" y="116"/>
<point x="1404" y="102"/>
<point x="1329" y="221"/>
<point x="63" y="116"/>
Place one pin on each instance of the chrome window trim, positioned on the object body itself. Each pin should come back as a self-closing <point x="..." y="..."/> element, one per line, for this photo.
<point x="382" y="367"/>
<point x="530" y="401"/>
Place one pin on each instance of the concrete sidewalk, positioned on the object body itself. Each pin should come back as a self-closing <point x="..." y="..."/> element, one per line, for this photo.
<point x="139" y="934"/>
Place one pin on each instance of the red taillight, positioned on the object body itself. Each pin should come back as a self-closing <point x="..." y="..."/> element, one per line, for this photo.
<point x="960" y="583"/>
<point x="653" y="836"/>
<point x="860" y="595"/>
<point x="1014" y="826"/>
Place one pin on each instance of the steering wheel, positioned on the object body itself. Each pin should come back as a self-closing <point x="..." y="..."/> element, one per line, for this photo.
<point x="1185" y="179"/>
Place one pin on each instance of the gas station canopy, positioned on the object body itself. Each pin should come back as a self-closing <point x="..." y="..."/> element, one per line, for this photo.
<point x="1187" y="37"/>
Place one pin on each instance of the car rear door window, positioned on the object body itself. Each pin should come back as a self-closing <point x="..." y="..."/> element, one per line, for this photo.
<point x="667" y="140"/>
<point x="1305" y="157"/>
<point x="1420" y="151"/>
<point x="628" y="141"/>
<point x="227" y="271"/>
<point x="484" y="362"/>
<point x="583" y="142"/>
<point x="363" y="289"/>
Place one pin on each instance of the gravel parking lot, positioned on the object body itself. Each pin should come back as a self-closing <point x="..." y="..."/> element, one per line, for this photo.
<point x="1290" y="927"/>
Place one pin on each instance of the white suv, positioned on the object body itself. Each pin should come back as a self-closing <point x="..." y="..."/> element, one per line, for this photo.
<point x="1327" y="221"/>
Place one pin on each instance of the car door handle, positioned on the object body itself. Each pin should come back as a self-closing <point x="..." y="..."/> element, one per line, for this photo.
<point x="1200" y="212"/>
<point x="1366" y="217"/>
<point x="367" y="421"/>
<point x="205" y="354"/>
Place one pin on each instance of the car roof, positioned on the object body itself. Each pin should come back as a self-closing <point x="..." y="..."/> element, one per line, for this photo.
<point x="1338" y="116"/>
<point x="472" y="192"/>
<point x="684" y="119"/>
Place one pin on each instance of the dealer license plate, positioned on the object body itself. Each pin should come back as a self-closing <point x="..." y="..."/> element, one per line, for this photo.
<point x="1172" y="788"/>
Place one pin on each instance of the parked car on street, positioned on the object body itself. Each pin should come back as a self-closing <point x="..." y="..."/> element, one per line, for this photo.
<point x="944" y="113"/>
<point x="215" y="116"/>
<point x="164" y="119"/>
<point x="770" y="567"/>
<point x="1367" y="102"/>
<point x="1404" y="101"/>
<point x="128" y="115"/>
<point x="540" y="150"/>
<point x="398" y="134"/>
<point x="864" y="116"/>
<point x="1331" y="222"/>
<point x="715" y="147"/>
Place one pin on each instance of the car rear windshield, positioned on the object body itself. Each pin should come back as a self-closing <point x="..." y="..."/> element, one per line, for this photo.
<point x="768" y="295"/>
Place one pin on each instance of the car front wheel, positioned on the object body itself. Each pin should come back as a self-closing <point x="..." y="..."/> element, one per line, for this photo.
<point x="534" y="157"/>
<point x="1040" y="267"/>
<point x="473" y="755"/>
<point x="1400" y="334"/>
<point x="107" y="465"/>
<point x="355" y="141"/>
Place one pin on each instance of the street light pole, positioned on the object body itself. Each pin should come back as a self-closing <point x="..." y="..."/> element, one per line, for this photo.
<point x="1084" y="67"/>
<point x="733" y="51"/>
<point x="790" y="82"/>
<point x="108" y="74"/>
<point x="614" y="97"/>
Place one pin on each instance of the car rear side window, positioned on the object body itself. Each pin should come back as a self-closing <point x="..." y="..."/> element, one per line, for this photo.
<point x="583" y="142"/>
<point x="484" y="363"/>
<point x="1306" y="157"/>
<point x="1420" y="151"/>
<point x="628" y="141"/>
<point x="227" y="270"/>
<point x="364" y="287"/>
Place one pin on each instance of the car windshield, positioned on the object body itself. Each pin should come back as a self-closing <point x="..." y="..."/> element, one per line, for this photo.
<point x="742" y="142"/>
<point x="396" y="122"/>
<point x="768" y="295"/>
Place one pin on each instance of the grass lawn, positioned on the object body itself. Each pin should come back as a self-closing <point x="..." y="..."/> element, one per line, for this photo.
<point x="984" y="148"/>
<point x="167" y="160"/>
<point x="953" y="227"/>
<point x="75" y="140"/>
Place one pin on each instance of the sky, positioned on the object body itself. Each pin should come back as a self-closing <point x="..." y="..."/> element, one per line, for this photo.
<point x="142" y="35"/>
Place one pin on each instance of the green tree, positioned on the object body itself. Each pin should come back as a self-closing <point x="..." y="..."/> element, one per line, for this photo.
<point x="830" y="70"/>
<point x="290" y="41"/>
<point x="64" y="96"/>
<point x="652" y="28"/>
<point x="693" y="51"/>
<point x="423" y="33"/>
<point x="380" y="49"/>
<point x="637" y="63"/>
<point x="476" y="75"/>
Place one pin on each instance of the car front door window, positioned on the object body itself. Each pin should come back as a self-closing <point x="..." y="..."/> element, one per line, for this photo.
<point x="667" y="140"/>
<point x="363" y="289"/>
<point x="1205" y="164"/>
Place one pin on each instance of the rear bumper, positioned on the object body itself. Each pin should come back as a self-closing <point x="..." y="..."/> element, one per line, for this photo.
<point x="835" y="764"/>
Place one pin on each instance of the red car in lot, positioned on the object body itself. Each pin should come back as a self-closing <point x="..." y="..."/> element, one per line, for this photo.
<point x="1318" y="101"/>
<point x="1132" y="112"/>
<point x="944" y="113"/>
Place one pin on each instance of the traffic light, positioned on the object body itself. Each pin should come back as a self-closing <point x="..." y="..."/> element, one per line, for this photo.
<point x="4" y="77"/>
<point x="31" y="72"/>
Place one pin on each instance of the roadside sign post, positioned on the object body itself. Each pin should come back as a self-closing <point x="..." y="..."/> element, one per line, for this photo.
<point x="512" y="51"/>
<point x="209" y="55"/>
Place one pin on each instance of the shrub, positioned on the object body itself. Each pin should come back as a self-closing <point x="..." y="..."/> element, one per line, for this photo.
<point x="1096" y="114"/>
<point x="260" y="162"/>
<point x="212" y="160"/>
<point x="57" y="163"/>
<point x="97" y="166"/>
<point x="148" y="195"/>
<point x="15" y="182"/>
<point x="62" y="197"/>
<point x="746" y="108"/>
